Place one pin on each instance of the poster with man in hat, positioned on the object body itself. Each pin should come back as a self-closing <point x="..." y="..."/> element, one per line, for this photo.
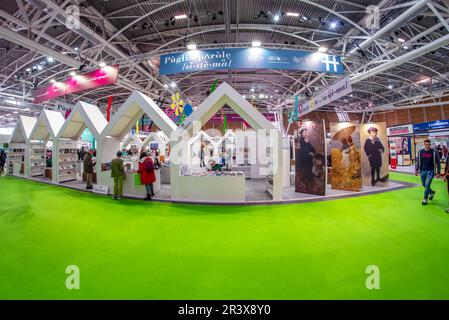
<point x="375" y="155"/>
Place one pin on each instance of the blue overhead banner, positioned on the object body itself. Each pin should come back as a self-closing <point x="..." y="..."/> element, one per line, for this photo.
<point x="433" y="125"/>
<point x="249" y="58"/>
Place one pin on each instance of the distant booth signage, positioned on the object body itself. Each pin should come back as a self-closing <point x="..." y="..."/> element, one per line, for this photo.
<point x="429" y="126"/>
<point x="401" y="145"/>
<point x="402" y="130"/>
<point x="249" y="58"/>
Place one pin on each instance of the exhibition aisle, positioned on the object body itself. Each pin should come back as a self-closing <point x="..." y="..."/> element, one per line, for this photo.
<point x="404" y="169"/>
<point x="138" y="250"/>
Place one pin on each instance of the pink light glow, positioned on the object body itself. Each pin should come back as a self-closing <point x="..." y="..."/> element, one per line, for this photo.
<point x="94" y="79"/>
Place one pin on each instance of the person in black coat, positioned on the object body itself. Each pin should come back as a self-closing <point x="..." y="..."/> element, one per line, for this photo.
<point x="304" y="157"/>
<point x="374" y="149"/>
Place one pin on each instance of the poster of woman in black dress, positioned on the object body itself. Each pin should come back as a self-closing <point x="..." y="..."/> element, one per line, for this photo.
<point x="375" y="154"/>
<point x="310" y="155"/>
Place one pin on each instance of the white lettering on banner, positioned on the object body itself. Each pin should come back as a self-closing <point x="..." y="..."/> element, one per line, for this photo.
<point x="328" y="95"/>
<point x="329" y="60"/>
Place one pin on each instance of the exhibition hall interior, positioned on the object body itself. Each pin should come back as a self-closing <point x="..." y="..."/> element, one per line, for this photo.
<point x="224" y="150"/>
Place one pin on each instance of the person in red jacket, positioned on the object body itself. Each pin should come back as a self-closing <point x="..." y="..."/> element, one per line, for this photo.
<point x="147" y="175"/>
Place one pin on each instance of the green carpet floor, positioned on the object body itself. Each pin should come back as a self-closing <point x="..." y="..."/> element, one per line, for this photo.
<point x="138" y="250"/>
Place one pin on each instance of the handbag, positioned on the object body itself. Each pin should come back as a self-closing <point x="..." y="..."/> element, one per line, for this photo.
<point x="137" y="180"/>
<point x="149" y="166"/>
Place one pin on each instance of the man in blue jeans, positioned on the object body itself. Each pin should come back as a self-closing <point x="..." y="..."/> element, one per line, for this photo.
<point x="428" y="163"/>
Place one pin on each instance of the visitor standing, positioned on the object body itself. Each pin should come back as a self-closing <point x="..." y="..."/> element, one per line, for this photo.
<point x="428" y="164"/>
<point x="440" y="151"/>
<point x="88" y="166"/>
<point x="446" y="179"/>
<point x="147" y="174"/>
<point x="2" y="160"/>
<point x="202" y="154"/>
<point x="118" y="173"/>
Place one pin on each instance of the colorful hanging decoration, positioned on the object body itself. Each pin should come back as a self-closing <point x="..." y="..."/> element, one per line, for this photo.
<point x="188" y="109"/>
<point x="214" y="86"/>
<point x="137" y="128"/>
<point x="294" y="115"/>
<point x="225" y="123"/>
<point x="177" y="104"/>
<point x="108" y="109"/>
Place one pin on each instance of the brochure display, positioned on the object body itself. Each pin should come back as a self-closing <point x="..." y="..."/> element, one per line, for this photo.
<point x="16" y="158"/>
<point x="37" y="159"/>
<point x="120" y="125"/>
<point x="375" y="168"/>
<point x="346" y="156"/>
<point x="67" y="161"/>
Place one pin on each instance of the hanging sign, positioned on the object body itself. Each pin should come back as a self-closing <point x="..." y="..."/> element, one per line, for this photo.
<point x="400" y="130"/>
<point x="249" y="58"/>
<point x="328" y="95"/>
<point x="433" y="125"/>
<point x="98" y="78"/>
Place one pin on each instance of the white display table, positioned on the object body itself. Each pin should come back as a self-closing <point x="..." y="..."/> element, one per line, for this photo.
<point x="212" y="188"/>
<point x="129" y="188"/>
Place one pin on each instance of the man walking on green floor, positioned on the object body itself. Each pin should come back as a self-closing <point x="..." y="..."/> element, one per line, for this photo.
<point x="428" y="163"/>
<point x="118" y="173"/>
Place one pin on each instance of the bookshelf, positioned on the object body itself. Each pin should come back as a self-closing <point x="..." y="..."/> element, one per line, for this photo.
<point x="67" y="164"/>
<point x="37" y="159"/>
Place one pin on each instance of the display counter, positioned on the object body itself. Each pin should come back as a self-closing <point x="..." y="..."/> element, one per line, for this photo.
<point x="130" y="188"/>
<point x="212" y="188"/>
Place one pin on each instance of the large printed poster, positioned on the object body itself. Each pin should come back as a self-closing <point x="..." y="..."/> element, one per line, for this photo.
<point x="375" y="154"/>
<point x="310" y="155"/>
<point x="346" y="156"/>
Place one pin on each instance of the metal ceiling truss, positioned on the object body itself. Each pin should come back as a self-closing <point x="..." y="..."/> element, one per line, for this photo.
<point x="386" y="66"/>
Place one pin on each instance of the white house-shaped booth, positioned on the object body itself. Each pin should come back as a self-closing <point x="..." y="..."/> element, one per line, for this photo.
<point x="83" y="115"/>
<point x="120" y="125"/>
<point x="131" y="141"/>
<point x="202" y="143"/>
<point x="225" y="147"/>
<point x="228" y="187"/>
<point x="44" y="133"/>
<point x="159" y="141"/>
<point x="19" y="144"/>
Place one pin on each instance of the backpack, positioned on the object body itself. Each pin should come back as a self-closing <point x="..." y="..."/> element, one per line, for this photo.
<point x="148" y="165"/>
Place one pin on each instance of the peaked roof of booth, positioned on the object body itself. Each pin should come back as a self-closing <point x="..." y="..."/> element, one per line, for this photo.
<point x="48" y="125"/>
<point x="23" y="129"/>
<point x="202" y="134"/>
<point x="153" y="136"/>
<point x="83" y="115"/>
<point x="134" y="107"/>
<point x="131" y="138"/>
<point x="225" y="94"/>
